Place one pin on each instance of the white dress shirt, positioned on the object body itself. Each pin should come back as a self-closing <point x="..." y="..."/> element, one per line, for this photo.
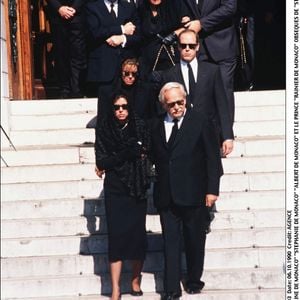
<point x="116" y="10"/>
<point x="168" y="123"/>
<point x="185" y="72"/>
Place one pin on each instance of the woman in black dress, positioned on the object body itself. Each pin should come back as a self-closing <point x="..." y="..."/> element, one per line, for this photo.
<point x="161" y="22"/>
<point x="122" y="140"/>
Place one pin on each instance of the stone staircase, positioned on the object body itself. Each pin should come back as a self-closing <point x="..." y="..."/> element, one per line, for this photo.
<point x="53" y="231"/>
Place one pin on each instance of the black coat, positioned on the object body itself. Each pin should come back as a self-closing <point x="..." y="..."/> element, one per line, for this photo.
<point x="103" y="60"/>
<point x="218" y="33"/>
<point x="54" y="5"/>
<point x="192" y="168"/>
<point x="167" y="21"/>
<point x="209" y="97"/>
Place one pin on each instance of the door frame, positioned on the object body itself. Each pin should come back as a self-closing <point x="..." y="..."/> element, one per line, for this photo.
<point x="20" y="73"/>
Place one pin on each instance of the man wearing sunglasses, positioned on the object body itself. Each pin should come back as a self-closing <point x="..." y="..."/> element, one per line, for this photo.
<point x="213" y="20"/>
<point x="204" y="86"/>
<point x="187" y="160"/>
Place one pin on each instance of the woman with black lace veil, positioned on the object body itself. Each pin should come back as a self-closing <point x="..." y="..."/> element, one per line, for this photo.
<point x="121" y="148"/>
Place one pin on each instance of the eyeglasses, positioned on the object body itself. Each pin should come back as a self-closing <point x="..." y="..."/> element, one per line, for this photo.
<point x="126" y="74"/>
<point x="123" y="106"/>
<point x="178" y="102"/>
<point x="191" y="46"/>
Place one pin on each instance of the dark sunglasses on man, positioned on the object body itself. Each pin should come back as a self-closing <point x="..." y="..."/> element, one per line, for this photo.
<point x="178" y="102"/>
<point x="191" y="46"/>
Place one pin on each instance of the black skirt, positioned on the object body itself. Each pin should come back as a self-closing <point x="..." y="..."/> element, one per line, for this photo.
<point x="126" y="217"/>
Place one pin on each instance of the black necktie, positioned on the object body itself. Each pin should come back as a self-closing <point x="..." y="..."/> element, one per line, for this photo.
<point x="173" y="133"/>
<point x="112" y="12"/>
<point x="200" y="4"/>
<point x="192" y="83"/>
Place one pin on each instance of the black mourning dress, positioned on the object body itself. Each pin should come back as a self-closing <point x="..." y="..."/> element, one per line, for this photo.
<point x="125" y="185"/>
<point x="167" y="20"/>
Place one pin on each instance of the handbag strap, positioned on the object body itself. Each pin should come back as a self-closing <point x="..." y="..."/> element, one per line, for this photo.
<point x="242" y="43"/>
<point x="163" y="46"/>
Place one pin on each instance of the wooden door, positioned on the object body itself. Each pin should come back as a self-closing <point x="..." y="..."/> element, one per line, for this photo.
<point x="45" y="85"/>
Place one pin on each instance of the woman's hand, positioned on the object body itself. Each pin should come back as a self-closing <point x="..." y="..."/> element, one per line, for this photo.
<point x="99" y="172"/>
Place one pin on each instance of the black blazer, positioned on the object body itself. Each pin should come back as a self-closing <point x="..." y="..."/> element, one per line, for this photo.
<point x="192" y="168"/>
<point x="218" y="33"/>
<point x="209" y="97"/>
<point x="54" y="6"/>
<point x="103" y="60"/>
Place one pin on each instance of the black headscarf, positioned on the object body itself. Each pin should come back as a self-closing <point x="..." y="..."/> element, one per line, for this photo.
<point x="112" y="138"/>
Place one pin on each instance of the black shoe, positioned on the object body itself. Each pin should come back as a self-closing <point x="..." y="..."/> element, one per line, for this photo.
<point x="171" y="296"/>
<point x="192" y="288"/>
<point x="193" y="291"/>
<point x="136" y="293"/>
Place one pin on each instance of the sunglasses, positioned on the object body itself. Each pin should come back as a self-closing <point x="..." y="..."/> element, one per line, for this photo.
<point x="191" y="46"/>
<point x="123" y="106"/>
<point x="178" y="102"/>
<point x="126" y="74"/>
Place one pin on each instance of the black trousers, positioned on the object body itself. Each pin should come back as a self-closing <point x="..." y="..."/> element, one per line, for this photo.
<point x="70" y="56"/>
<point x="190" y="222"/>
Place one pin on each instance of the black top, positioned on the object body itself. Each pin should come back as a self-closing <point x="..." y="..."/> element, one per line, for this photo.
<point x="119" y="149"/>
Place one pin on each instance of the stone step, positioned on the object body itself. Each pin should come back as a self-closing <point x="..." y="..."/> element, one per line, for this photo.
<point x="47" y="155"/>
<point x="52" y="190"/>
<point x="97" y="244"/>
<point x="259" y="113"/>
<point x="53" y="107"/>
<point x="28" y="267"/>
<point x="64" y="172"/>
<point x="242" y="201"/>
<point x="206" y="294"/>
<point x="71" y="106"/>
<point x="78" y="226"/>
<point x="88" y="188"/>
<point x="259" y="98"/>
<point x="252" y="278"/>
<point x="53" y="137"/>
<point x="259" y="146"/>
<point x="82" y="135"/>
<point x="259" y="128"/>
<point x="66" y="154"/>
<point x="51" y="122"/>
<point x="46" y="173"/>
<point x="67" y="120"/>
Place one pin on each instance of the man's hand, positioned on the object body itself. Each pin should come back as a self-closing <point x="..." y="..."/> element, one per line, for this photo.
<point x="227" y="147"/>
<point x="115" y="40"/>
<point x="66" y="12"/>
<point x="98" y="172"/>
<point x="194" y="25"/>
<point x="185" y="20"/>
<point x="210" y="199"/>
<point x="129" y="28"/>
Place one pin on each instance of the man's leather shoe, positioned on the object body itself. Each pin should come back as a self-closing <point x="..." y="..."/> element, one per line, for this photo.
<point x="193" y="291"/>
<point x="171" y="296"/>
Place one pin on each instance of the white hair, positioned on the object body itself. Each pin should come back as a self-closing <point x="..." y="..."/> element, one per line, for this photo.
<point x="168" y="86"/>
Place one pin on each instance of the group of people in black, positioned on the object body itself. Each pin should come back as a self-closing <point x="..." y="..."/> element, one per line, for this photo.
<point x="163" y="72"/>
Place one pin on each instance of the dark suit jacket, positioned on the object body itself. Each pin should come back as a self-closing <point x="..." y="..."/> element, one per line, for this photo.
<point x="209" y="97"/>
<point x="218" y="33"/>
<point x="103" y="60"/>
<point x="192" y="168"/>
<point x="54" y="5"/>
